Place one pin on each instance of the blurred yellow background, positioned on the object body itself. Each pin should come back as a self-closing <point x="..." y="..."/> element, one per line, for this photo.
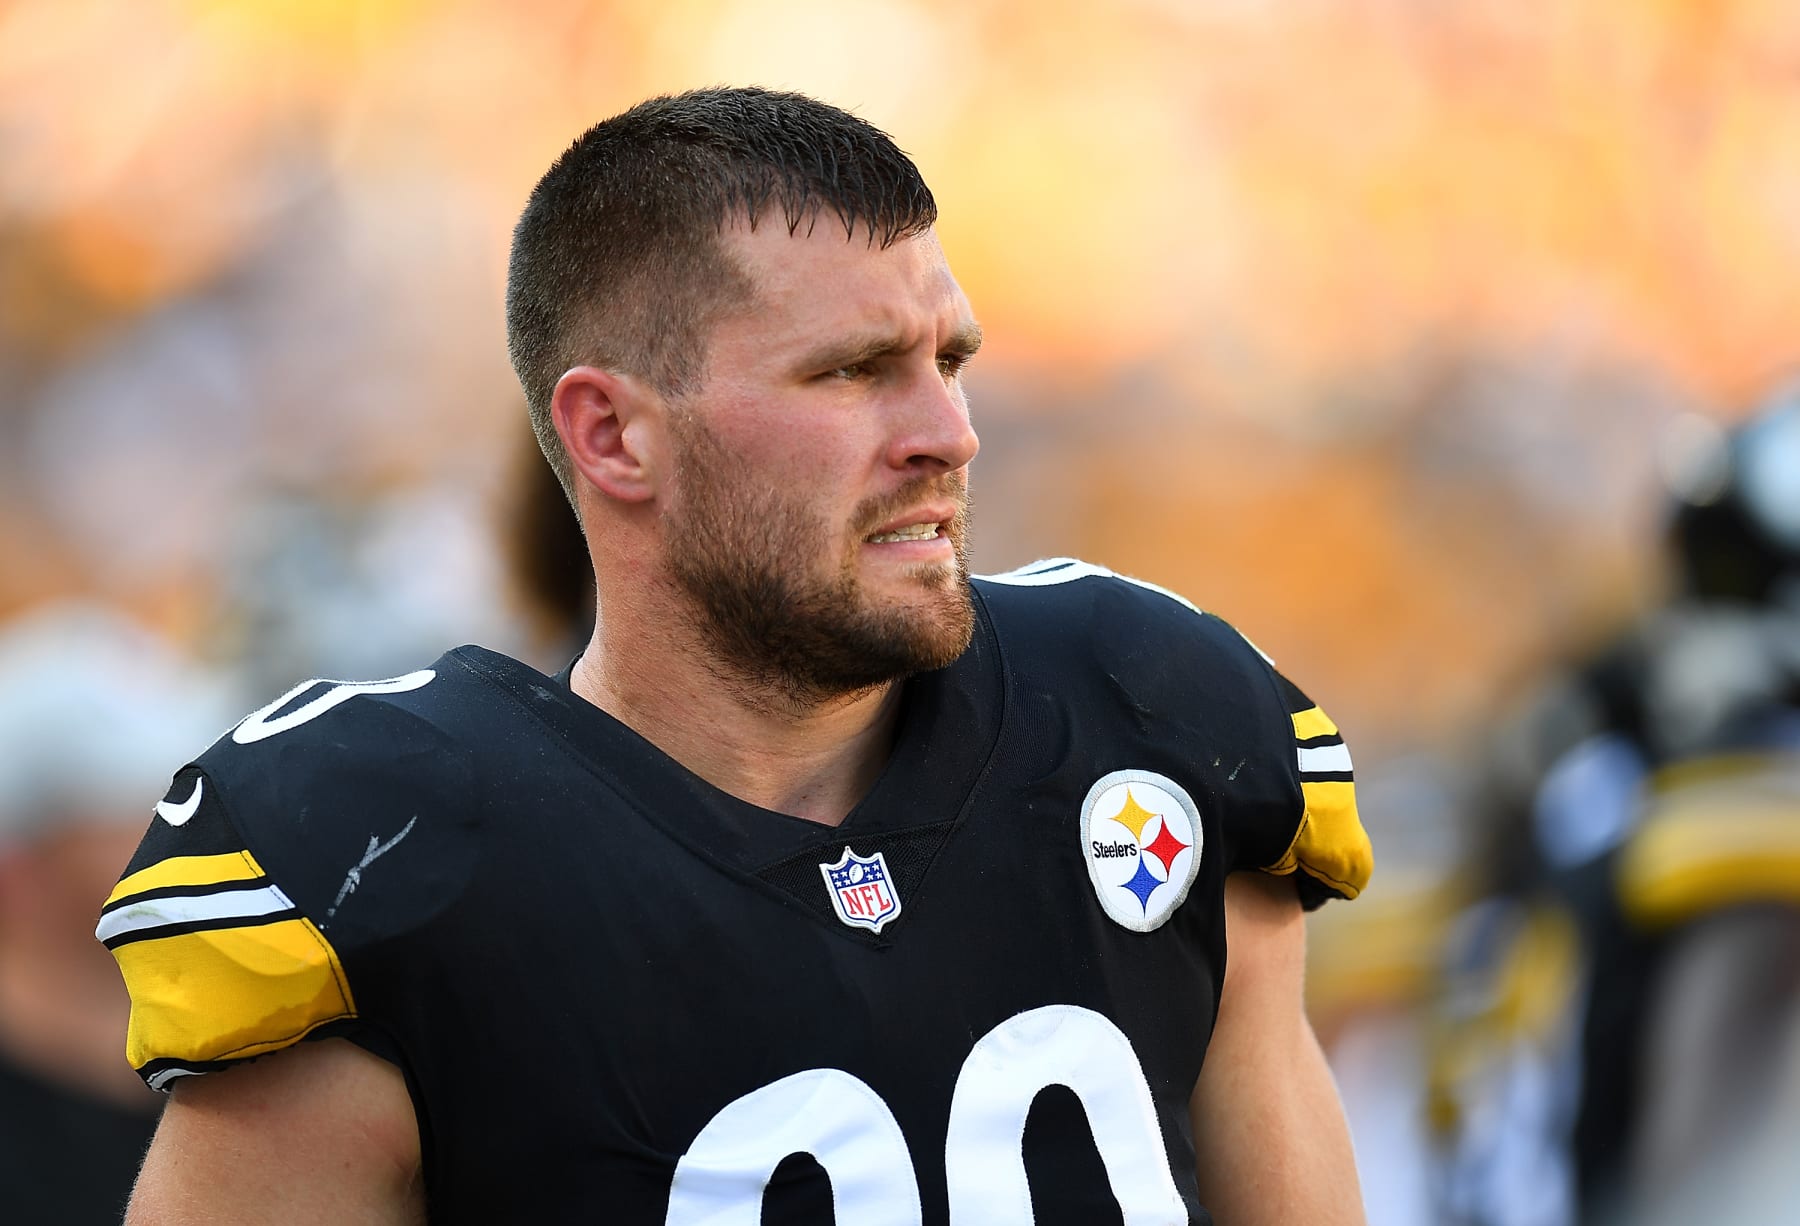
<point x="1373" y="325"/>
<point x="1355" y="321"/>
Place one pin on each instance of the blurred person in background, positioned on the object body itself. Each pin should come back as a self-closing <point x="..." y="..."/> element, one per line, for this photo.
<point x="93" y="709"/>
<point x="1621" y="1037"/>
<point x="612" y="942"/>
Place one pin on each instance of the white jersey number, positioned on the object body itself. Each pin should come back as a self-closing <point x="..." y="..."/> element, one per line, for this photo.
<point x="824" y="1112"/>
<point x="259" y="726"/>
<point x="851" y="1133"/>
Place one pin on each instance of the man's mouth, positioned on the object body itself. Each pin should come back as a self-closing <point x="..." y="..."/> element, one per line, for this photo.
<point x="914" y="532"/>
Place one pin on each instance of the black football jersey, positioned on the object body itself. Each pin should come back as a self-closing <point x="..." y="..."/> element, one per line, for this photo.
<point x="619" y="994"/>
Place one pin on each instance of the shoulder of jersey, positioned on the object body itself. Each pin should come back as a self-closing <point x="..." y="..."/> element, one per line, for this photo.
<point x="312" y="782"/>
<point x="1065" y="602"/>
<point x="366" y="745"/>
<point x="1166" y="655"/>
<point x="334" y="822"/>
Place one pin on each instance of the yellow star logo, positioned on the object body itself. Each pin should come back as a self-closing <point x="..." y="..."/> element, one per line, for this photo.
<point x="1133" y="816"/>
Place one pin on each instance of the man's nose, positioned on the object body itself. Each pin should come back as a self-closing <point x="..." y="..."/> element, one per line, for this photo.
<point x="934" y="428"/>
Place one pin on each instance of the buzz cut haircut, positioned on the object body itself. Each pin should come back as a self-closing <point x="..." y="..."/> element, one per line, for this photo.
<point x="619" y="259"/>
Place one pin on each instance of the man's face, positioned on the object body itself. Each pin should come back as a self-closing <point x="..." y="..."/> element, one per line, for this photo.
<point x="819" y="508"/>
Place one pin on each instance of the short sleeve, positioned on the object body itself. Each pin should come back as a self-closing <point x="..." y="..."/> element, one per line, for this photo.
<point x="220" y="963"/>
<point x="1330" y="854"/>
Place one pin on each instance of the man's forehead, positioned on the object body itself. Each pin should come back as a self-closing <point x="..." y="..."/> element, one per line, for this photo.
<point x="821" y="292"/>
<point x="822" y="254"/>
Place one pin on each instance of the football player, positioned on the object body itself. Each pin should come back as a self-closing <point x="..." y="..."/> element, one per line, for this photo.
<point x="1621" y="1033"/>
<point x="827" y="883"/>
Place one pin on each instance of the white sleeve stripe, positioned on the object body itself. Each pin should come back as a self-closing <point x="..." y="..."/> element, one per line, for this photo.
<point x="198" y="908"/>
<point x="159" y="1080"/>
<point x="1325" y="758"/>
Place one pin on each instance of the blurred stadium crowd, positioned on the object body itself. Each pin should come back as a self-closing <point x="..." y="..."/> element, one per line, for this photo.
<point x="1438" y="346"/>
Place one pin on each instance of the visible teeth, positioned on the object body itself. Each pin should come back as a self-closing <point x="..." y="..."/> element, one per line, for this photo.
<point x="918" y="532"/>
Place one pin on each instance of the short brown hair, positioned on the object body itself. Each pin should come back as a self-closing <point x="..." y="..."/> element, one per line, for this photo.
<point x="617" y="261"/>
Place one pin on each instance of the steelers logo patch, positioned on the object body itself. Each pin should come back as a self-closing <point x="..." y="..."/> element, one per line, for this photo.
<point x="1140" y="833"/>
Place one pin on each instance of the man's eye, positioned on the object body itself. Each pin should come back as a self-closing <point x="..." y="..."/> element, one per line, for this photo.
<point x="856" y="370"/>
<point x="951" y="364"/>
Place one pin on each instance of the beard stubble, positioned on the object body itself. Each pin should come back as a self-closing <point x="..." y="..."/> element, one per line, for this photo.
<point x="746" y="554"/>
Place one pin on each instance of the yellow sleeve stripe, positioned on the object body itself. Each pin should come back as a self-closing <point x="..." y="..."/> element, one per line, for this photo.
<point x="188" y="871"/>
<point x="230" y="993"/>
<point x="1686" y="864"/>
<point x="1330" y="844"/>
<point x="1312" y="722"/>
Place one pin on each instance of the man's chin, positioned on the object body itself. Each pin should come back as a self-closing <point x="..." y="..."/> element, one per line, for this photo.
<point x="821" y="640"/>
<point x="935" y="582"/>
<point x="940" y="631"/>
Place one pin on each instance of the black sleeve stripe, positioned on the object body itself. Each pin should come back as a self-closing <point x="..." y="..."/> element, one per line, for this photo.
<point x="185" y="927"/>
<point x="229" y="886"/>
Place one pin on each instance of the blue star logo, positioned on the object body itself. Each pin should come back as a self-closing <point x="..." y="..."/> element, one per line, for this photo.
<point x="1143" y="884"/>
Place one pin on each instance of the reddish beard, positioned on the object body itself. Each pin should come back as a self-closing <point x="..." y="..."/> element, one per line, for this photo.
<point x="747" y="557"/>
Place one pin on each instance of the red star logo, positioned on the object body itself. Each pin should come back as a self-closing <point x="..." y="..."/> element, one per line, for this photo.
<point x="1166" y="847"/>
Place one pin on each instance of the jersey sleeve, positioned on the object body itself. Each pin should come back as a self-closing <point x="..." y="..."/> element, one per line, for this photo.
<point x="290" y="883"/>
<point x="1255" y="747"/>
<point x="220" y="962"/>
<point x="1329" y="855"/>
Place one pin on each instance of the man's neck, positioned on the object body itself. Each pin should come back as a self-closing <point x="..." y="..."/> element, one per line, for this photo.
<point x="811" y="759"/>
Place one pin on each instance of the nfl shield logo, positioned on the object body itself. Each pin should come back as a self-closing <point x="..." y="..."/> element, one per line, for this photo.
<point x="861" y="891"/>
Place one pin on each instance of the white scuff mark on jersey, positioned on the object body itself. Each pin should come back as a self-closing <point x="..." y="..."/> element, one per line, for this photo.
<point x="377" y="849"/>
<point x="1234" y="770"/>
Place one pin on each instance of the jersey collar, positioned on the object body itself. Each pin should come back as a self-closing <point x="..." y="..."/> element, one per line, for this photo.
<point x="949" y="724"/>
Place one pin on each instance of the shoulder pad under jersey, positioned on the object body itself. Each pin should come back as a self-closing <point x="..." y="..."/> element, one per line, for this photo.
<point x="322" y="828"/>
<point x="1290" y="785"/>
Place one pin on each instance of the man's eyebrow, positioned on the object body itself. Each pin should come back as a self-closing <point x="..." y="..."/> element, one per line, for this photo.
<point x="872" y="347"/>
<point x="964" y="341"/>
<point x="851" y="350"/>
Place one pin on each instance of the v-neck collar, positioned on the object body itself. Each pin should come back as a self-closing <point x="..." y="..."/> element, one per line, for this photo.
<point x="949" y="724"/>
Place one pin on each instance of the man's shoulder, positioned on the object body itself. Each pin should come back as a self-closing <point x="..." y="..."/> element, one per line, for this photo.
<point x="1137" y="669"/>
<point x="331" y="765"/>
<point x="427" y="725"/>
<point x="1078" y="609"/>
<point x="294" y="865"/>
<point x="325" y="708"/>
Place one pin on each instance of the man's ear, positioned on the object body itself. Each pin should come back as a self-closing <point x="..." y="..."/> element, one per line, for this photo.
<point x="609" y="425"/>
